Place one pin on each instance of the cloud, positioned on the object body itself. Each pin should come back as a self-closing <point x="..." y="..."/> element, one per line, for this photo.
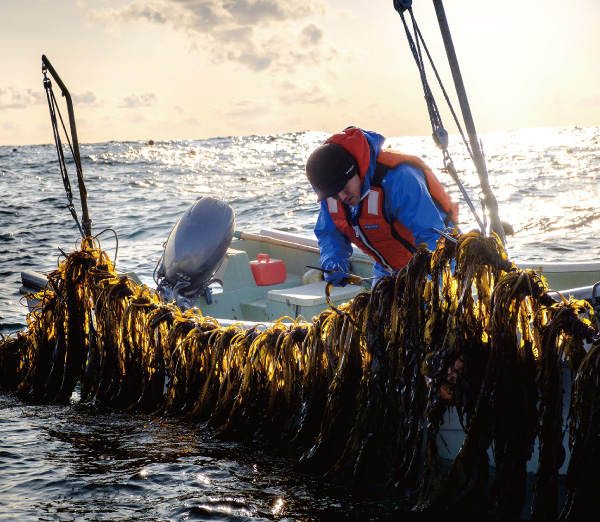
<point x="12" y="98"/>
<point x="138" y="100"/>
<point x="287" y="51"/>
<point x="134" y="12"/>
<point x="306" y="92"/>
<point x="206" y="16"/>
<point x="8" y="125"/>
<point x="260" y="11"/>
<point x="247" y="110"/>
<point x="311" y="35"/>
<point x="86" y="99"/>
<point x="258" y="34"/>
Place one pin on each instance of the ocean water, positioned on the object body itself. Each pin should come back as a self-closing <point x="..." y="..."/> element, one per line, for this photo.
<point x="74" y="463"/>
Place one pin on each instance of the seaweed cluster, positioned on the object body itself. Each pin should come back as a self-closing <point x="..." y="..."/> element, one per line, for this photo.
<point x="359" y="393"/>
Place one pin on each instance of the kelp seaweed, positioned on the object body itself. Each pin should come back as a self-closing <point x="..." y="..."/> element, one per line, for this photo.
<point x="360" y="393"/>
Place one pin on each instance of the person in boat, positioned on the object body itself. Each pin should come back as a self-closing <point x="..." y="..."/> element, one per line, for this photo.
<point x="383" y="201"/>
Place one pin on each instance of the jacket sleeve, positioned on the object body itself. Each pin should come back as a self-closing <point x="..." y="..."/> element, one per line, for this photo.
<point x="408" y="200"/>
<point x="332" y="243"/>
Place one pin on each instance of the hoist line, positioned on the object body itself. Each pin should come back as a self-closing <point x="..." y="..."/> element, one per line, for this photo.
<point x="77" y="166"/>
<point x="448" y="163"/>
<point x="490" y="200"/>
<point x="86" y="222"/>
<point x="444" y="92"/>
<point x="53" y="107"/>
<point x="439" y="133"/>
<point x="432" y="109"/>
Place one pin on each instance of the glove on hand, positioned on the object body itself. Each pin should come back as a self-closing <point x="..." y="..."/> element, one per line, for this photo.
<point x="340" y="268"/>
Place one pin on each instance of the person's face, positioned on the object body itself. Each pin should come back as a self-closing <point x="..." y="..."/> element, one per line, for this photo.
<point x="350" y="194"/>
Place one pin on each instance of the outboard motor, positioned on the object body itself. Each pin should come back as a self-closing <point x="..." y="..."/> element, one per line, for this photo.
<point x="194" y="251"/>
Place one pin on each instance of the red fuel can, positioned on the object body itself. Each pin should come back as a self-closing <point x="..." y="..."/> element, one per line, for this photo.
<point x="268" y="271"/>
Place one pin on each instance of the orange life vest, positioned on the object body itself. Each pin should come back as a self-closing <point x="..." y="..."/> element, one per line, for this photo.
<point x="385" y="239"/>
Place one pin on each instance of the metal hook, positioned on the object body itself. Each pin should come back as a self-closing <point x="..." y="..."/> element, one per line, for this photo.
<point x="448" y="237"/>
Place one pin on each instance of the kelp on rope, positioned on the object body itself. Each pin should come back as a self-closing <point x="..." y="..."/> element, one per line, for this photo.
<point x="359" y="391"/>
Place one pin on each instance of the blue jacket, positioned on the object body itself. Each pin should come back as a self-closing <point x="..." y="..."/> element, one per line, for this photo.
<point x="406" y="199"/>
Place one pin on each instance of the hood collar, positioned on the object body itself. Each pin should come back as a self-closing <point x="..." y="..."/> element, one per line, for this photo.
<point x="354" y="141"/>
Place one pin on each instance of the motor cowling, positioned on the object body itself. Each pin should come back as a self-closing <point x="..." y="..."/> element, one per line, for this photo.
<point x="195" y="250"/>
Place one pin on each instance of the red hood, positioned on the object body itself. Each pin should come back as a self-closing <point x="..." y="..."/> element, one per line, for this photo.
<point x="354" y="141"/>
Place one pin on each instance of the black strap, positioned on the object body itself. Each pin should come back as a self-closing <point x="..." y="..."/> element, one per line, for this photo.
<point x="54" y="111"/>
<point x="380" y="171"/>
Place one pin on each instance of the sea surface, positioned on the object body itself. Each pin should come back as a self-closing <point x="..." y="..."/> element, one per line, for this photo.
<point x="75" y="463"/>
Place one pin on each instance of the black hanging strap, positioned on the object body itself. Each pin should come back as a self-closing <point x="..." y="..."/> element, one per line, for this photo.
<point x="440" y="135"/>
<point x="54" y="110"/>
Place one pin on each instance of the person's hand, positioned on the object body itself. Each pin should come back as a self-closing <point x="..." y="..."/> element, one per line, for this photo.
<point x="338" y="271"/>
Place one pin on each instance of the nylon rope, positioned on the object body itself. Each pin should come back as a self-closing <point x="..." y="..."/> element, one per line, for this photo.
<point x="53" y="107"/>
<point x="440" y="135"/>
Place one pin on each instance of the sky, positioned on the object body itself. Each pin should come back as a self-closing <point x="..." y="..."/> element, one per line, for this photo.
<point x="193" y="69"/>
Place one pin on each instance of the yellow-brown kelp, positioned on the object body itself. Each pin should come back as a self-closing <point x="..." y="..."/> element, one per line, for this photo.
<point x="360" y="390"/>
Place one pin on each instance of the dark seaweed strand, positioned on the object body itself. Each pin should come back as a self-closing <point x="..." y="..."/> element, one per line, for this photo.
<point x="583" y="480"/>
<point x="406" y="384"/>
<point x="78" y="320"/>
<point x="465" y="483"/>
<point x="338" y="415"/>
<point x="35" y="357"/>
<point x="513" y="397"/>
<point x="438" y="348"/>
<point x="551" y="434"/>
<point x="11" y="349"/>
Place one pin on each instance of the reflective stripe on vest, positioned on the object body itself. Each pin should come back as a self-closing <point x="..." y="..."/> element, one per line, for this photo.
<point x="372" y="202"/>
<point x="354" y="232"/>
